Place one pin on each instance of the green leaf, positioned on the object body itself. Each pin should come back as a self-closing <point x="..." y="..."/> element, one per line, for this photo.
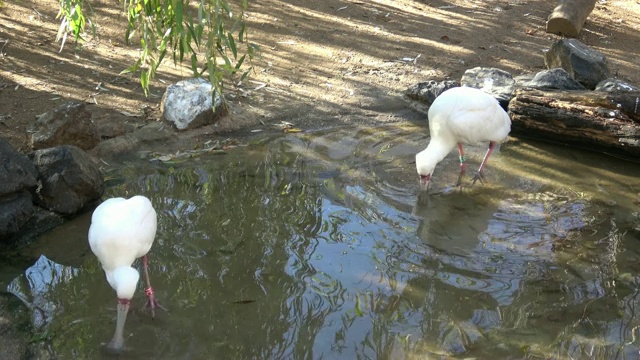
<point x="178" y="20"/>
<point x="194" y="64"/>
<point x="211" y="70"/>
<point x="144" y="81"/>
<point x="191" y="34"/>
<point x="162" y="55"/>
<point x="245" y="74"/>
<point x="153" y="64"/>
<point x="199" y="31"/>
<point x="131" y="69"/>
<point x="169" y="28"/>
<point x="181" y="50"/>
<point x="232" y="45"/>
<point x="358" y="308"/>
<point x="227" y="62"/>
<point x="226" y="7"/>
<point x="239" y="63"/>
<point x="243" y="28"/>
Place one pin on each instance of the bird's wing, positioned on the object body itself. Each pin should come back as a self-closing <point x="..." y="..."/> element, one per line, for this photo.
<point x="147" y="223"/>
<point x="122" y="230"/>
<point x="479" y="119"/>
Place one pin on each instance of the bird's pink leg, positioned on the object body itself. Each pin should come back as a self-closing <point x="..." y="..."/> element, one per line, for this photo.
<point x="463" y="166"/>
<point x="152" y="302"/>
<point x="492" y="144"/>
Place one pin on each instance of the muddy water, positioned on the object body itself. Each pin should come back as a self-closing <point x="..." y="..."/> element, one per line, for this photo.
<point x="317" y="246"/>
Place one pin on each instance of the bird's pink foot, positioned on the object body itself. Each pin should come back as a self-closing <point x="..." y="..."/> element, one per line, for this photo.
<point x="152" y="302"/>
<point x="477" y="177"/>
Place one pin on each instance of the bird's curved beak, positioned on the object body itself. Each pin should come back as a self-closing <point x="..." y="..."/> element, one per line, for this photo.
<point x="424" y="182"/>
<point x="117" y="343"/>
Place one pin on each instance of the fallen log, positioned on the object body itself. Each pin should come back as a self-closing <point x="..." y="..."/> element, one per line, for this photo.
<point x="569" y="16"/>
<point x="607" y="122"/>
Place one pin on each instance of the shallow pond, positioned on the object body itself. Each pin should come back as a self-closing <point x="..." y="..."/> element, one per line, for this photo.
<point x="317" y="246"/>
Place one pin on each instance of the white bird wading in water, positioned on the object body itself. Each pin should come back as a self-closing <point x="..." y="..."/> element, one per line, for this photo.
<point x="121" y="231"/>
<point x="461" y="115"/>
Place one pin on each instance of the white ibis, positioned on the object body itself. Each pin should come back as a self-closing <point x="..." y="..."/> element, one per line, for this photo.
<point x="461" y="115"/>
<point x="121" y="231"/>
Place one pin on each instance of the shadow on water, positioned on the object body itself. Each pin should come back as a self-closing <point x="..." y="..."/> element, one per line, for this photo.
<point x="314" y="246"/>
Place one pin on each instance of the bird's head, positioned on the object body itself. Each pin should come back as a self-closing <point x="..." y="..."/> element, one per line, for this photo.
<point x="425" y="164"/>
<point x="124" y="281"/>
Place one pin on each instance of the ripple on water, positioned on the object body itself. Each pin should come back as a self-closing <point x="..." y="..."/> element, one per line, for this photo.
<point x="315" y="246"/>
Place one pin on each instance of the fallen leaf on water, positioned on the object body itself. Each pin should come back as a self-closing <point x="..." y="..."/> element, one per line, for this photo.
<point x="242" y="302"/>
<point x="125" y="113"/>
<point x="284" y="124"/>
<point x="215" y="152"/>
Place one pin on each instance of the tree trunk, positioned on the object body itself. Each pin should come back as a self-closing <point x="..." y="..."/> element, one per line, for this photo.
<point x="569" y="16"/>
<point x="601" y="121"/>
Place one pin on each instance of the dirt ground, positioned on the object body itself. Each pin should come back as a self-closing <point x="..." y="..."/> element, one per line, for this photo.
<point x="323" y="63"/>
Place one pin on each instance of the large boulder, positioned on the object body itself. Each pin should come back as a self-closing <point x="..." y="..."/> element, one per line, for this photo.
<point x="188" y="104"/>
<point x="15" y="211"/>
<point x="16" y="170"/>
<point x="585" y="65"/>
<point x="427" y="92"/>
<point x="17" y="177"/>
<point x="69" y="179"/>
<point x="558" y="79"/>
<point x="421" y="95"/>
<point x="69" y="124"/>
<point x="496" y="82"/>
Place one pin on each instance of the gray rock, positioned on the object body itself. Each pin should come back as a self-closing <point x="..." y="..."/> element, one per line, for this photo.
<point x="459" y="338"/>
<point x="117" y="125"/>
<point x="149" y="135"/>
<point x="585" y="65"/>
<point x="614" y="84"/>
<point x="69" y="124"/>
<point x="188" y="104"/>
<point x="69" y="180"/>
<point x="15" y="211"/>
<point x="427" y="92"/>
<point x="16" y="170"/>
<point x="557" y="78"/>
<point x="523" y="80"/>
<point x="496" y="82"/>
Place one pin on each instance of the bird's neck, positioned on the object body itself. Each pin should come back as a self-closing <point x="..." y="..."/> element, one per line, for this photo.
<point x="439" y="149"/>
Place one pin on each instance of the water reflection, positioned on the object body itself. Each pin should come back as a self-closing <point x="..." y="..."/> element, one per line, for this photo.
<point x="314" y="246"/>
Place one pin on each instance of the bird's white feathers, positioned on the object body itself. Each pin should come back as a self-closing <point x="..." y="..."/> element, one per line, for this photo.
<point x="123" y="280"/>
<point x="468" y="115"/>
<point x="121" y="231"/>
<point x="461" y="115"/>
